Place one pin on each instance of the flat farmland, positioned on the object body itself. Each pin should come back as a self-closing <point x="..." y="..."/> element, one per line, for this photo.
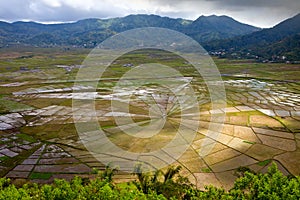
<point x="43" y="106"/>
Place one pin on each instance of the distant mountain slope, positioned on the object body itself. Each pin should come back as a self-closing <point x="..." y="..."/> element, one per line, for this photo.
<point x="280" y="41"/>
<point x="139" y="21"/>
<point x="89" y="32"/>
<point x="213" y="27"/>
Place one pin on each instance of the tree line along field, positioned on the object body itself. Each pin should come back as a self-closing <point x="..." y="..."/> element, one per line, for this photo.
<point x="157" y="185"/>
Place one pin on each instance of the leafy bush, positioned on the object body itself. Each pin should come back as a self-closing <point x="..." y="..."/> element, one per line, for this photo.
<point x="169" y="184"/>
<point x="157" y="185"/>
<point x="272" y="185"/>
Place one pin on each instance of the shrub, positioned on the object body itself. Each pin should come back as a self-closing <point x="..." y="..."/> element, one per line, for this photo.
<point x="157" y="185"/>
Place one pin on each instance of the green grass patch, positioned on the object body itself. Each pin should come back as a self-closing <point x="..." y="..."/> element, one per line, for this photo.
<point x="3" y="158"/>
<point x="264" y="163"/>
<point x="248" y="142"/>
<point x="26" y="137"/>
<point x="7" y="106"/>
<point x="37" y="175"/>
<point x="206" y="170"/>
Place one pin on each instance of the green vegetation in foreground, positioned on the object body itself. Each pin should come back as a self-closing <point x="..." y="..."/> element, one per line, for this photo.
<point x="157" y="185"/>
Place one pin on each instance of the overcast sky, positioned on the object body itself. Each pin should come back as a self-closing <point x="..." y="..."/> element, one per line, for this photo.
<point x="261" y="13"/>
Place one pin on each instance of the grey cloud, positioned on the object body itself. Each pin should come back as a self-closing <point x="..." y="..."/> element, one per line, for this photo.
<point x="14" y="10"/>
<point x="263" y="13"/>
<point x="249" y="3"/>
<point x="235" y="3"/>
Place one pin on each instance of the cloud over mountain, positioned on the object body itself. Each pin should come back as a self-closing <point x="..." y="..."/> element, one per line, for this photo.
<point x="261" y="13"/>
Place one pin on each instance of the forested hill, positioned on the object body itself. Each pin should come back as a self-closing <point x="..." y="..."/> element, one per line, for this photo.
<point x="282" y="42"/>
<point x="90" y="32"/>
<point x="220" y="35"/>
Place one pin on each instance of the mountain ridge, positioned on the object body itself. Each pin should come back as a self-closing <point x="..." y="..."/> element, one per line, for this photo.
<point x="220" y="35"/>
<point x="89" y="32"/>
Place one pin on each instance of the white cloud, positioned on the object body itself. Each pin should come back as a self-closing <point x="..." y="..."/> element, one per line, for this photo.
<point x="52" y="3"/>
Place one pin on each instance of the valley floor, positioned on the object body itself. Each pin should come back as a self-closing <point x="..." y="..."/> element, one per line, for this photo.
<point x="44" y="113"/>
